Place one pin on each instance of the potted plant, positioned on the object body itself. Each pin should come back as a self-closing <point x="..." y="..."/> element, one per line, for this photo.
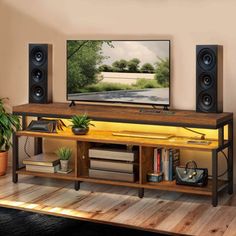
<point x="8" y="124"/>
<point x="64" y="153"/>
<point x="80" y="124"/>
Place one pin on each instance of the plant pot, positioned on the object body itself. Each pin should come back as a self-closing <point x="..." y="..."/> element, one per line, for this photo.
<point x="80" y="131"/>
<point x="3" y="162"/>
<point x="64" y="165"/>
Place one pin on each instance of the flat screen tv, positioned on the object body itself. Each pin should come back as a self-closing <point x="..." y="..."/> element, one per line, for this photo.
<point x="134" y="71"/>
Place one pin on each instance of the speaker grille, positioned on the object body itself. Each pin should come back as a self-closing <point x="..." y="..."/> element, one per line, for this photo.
<point x="40" y="80"/>
<point x="206" y="80"/>
<point x="206" y="59"/>
<point x="38" y="92"/>
<point x="206" y="101"/>
<point x="209" y="66"/>
<point x="37" y="75"/>
<point x="38" y="56"/>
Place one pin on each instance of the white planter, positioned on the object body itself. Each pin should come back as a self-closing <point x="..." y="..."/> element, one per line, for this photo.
<point x="64" y="165"/>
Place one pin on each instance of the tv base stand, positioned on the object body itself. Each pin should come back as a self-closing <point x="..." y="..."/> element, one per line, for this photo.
<point x="145" y="146"/>
<point x="72" y="104"/>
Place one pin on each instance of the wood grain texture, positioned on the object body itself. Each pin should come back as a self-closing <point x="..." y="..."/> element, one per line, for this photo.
<point x="83" y="158"/>
<point x="127" y="114"/>
<point x="160" y="211"/>
<point x="146" y="163"/>
<point x="164" y="185"/>
<point x="99" y="136"/>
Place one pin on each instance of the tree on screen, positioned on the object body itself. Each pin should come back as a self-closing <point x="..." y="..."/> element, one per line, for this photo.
<point x="162" y="72"/>
<point x="119" y="66"/>
<point x="133" y="65"/>
<point x="147" y="68"/>
<point x="105" y="68"/>
<point x="83" y="60"/>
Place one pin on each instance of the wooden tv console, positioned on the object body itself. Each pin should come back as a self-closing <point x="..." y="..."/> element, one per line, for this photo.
<point x="109" y="113"/>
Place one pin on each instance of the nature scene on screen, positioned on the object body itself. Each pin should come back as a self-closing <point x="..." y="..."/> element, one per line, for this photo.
<point x="118" y="71"/>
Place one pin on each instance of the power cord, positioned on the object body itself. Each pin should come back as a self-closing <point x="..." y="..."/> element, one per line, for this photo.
<point x="25" y="147"/>
<point x="227" y="165"/>
<point x="196" y="132"/>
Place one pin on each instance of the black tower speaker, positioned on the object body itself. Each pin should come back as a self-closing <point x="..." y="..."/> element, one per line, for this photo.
<point x="40" y="73"/>
<point x="209" y="78"/>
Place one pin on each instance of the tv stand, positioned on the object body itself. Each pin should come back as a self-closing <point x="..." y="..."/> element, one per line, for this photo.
<point x="72" y="104"/>
<point x="146" y="146"/>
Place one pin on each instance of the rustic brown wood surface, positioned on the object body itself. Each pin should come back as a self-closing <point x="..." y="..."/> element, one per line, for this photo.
<point x="164" y="185"/>
<point x="158" y="211"/>
<point x="128" y="114"/>
<point x="100" y="136"/>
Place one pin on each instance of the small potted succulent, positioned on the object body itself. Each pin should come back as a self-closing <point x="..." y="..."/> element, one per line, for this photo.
<point x="80" y="124"/>
<point x="64" y="153"/>
<point x="9" y="123"/>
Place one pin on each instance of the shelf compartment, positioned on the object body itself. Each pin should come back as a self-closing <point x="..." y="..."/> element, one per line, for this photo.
<point x="69" y="176"/>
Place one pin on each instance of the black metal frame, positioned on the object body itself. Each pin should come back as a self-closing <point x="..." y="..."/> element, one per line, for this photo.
<point x="214" y="155"/>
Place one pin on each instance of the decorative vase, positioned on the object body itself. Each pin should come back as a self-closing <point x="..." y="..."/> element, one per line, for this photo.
<point x="3" y="162"/>
<point x="80" y="131"/>
<point x="64" y="165"/>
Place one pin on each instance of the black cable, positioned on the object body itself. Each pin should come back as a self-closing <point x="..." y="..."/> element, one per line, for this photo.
<point x="196" y="132"/>
<point x="227" y="166"/>
<point x="25" y="147"/>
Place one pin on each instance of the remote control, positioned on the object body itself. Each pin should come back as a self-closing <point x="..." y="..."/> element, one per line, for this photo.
<point x="200" y="142"/>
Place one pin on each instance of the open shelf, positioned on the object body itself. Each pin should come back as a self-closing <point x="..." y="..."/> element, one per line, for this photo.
<point x="172" y="186"/>
<point x="108" y="137"/>
<point x="70" y="176"/>
<point x="111" y="182"/>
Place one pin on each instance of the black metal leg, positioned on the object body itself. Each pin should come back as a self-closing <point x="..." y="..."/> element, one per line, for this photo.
<point x="38" y="146"/>
<point x="15" y="158"/>
<point x="230" y="158"/>
<point x="221" y="136"/>
<point x="24" y="122"/>
<point x="214" y="178"/>
<point x="77" y="185"/>
<point x="141" y="192"/>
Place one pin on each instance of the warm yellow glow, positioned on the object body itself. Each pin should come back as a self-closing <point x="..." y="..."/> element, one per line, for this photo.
<point x="179" y="131"/>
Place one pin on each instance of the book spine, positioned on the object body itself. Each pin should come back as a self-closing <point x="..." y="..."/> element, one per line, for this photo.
<point x="158" y="161"/>
<point x="176" y="162"/>
<point x="161" y="159"/>
<point x="155" y="160"/>
<point x="165" y="164"/>
<point x="170" y="164"/>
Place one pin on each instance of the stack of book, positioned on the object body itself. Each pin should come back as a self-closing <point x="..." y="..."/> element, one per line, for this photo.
<point x="165" y="162"/>
<point x="113" y="164"/>
<point x="44" y="162"/>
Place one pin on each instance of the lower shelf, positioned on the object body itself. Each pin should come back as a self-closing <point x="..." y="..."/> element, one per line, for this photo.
<point x="172" y="186"/>
<point x="164" y="185"/>
<point x="70" y="176"/>
<point x="111" y="182"/>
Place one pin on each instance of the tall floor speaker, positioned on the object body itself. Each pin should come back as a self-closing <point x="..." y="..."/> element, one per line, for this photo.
<point x="40" y="73"/>
<point x="209" y="78"/>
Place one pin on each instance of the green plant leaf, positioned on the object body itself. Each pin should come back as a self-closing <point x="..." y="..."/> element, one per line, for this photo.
<point x="81" y="121"/>
<point x="9" y="123"/>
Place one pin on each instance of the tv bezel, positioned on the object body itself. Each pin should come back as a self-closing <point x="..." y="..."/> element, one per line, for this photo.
<point x="120" y="102"/>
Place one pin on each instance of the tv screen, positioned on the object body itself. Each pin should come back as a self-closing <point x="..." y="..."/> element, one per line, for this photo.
<point x="119" y="71"/>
